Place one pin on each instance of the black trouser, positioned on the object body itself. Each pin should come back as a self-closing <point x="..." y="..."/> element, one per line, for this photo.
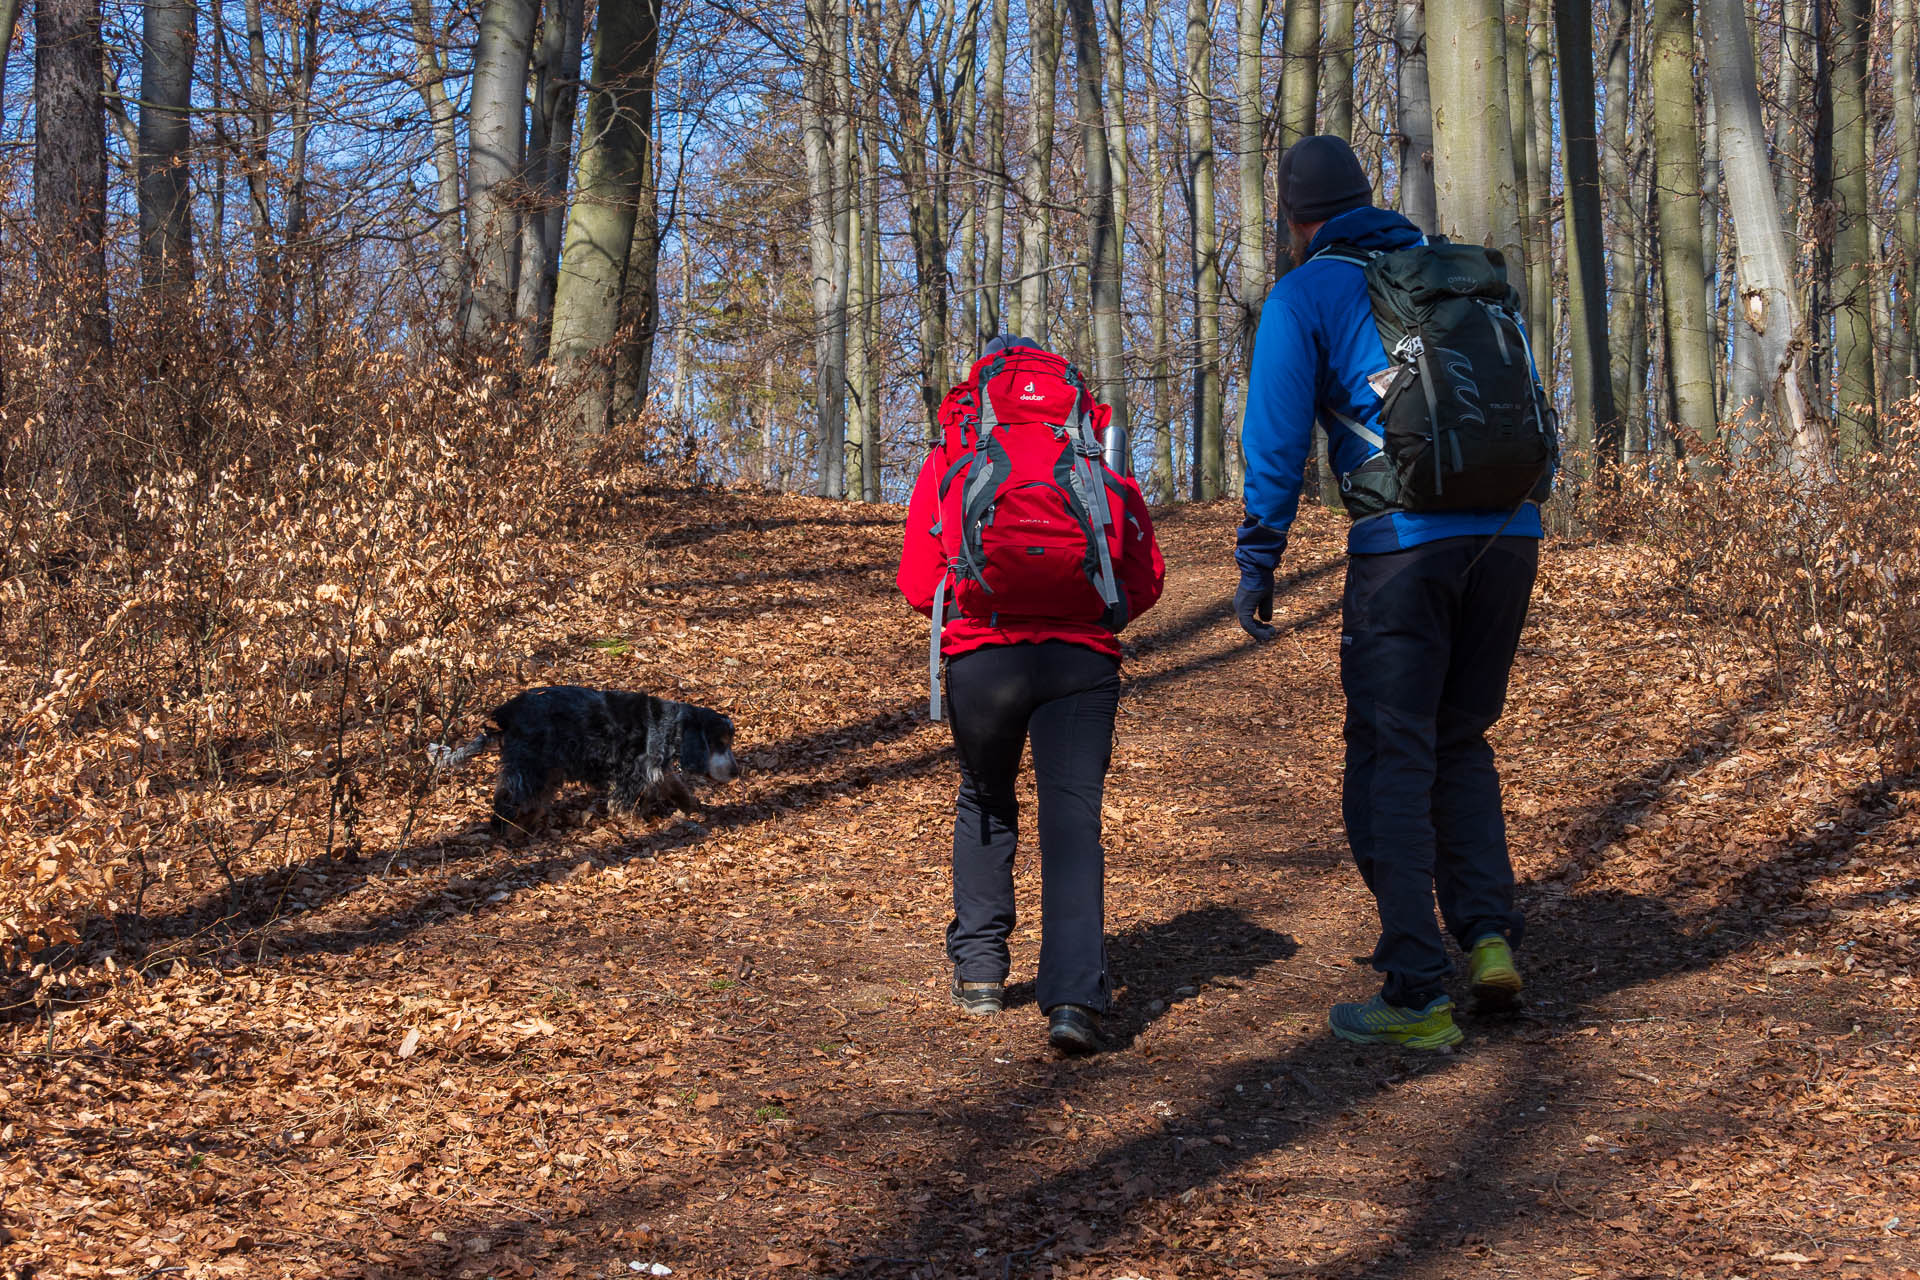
<point x="1064" y="697"/>
<point x="1425" y="649"/>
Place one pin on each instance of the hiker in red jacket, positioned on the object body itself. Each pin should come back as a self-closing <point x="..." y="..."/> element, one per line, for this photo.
<point x="1033" y="582"/>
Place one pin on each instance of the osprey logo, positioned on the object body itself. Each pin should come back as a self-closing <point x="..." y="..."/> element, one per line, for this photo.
<point x="1028" y="393"/>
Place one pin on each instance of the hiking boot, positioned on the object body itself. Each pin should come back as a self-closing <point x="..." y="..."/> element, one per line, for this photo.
<point x="1073" y="1030"/>
<point x="1492" y="975"/>
<point x="1377" y="1022"/>
<point x="982" y="999"/>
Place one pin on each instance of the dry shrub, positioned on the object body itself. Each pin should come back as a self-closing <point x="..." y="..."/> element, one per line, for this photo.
<point x="1824" y="574"/>
<point x="242" y="586"/>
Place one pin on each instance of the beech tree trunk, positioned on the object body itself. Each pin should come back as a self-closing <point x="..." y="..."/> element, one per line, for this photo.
<point x="496" y="142"/>
<point x="994" y="98"/>
<point x="1036" y="187"/>
<point x="1337" y="53"/>
<point x="827" y="201"/>
<point x="1677" y="206"/>
<point x="429" y="81"/>
<point x="1596" y="419"/>
<point x="1299" y="93"/>
<point x="1906" y="200"/>
<point x="1103" y="232"/>
<point x="552" y="104"/>
<point x="1624" y="321"/>
<point x="170" y="35"/>
<point x="1539" y="112"/>
<point x="1166" y="482"/>
<point x="1852" y="258"/>
<point x="610" y="177"/>
<point x="1768" y="308"/>
<point x="1419" y="202"/>
<point x="1209" y="446"/>
<point x="1474" y="177"/>
<point x="70" y="169"/>
<point x="1253" y="175"/>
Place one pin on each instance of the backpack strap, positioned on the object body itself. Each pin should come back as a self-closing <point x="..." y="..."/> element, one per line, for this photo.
<point x="933" y="647"/>
<point x="1092" y="492"/>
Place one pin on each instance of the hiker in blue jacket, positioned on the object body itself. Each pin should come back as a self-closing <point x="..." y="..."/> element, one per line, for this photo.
<point x="1432" y="613"/>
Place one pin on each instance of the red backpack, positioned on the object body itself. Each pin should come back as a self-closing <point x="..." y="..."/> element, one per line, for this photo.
<point x="1030" y="515"/>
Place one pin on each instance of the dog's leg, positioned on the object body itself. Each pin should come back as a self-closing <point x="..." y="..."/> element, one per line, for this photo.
<point x="678" y="794"/>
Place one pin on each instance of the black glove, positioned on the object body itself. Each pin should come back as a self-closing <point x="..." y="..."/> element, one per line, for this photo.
<point x="1253" y="605"/>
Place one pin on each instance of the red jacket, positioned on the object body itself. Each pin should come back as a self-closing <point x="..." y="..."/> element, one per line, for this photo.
<point x="1141" y="572"/>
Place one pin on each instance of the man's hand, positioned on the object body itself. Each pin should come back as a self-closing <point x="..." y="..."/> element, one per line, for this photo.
<point x="1253" y="605"/>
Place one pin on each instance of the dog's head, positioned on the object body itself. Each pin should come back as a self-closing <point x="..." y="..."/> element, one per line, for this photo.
<point x="706" y="744"/>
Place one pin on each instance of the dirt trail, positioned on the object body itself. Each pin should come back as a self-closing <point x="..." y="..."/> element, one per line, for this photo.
<point x="723" y="1046"/>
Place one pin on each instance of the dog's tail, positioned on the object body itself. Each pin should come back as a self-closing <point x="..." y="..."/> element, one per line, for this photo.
<point x="445" y="757"/>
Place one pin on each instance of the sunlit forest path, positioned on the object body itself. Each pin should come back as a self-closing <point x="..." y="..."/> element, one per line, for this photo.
<point x="724" y="1047"/>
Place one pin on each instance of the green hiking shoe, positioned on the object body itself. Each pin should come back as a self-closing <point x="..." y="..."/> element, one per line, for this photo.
<point x="1377" y="1022"/>
<point x="1491" y="972"/>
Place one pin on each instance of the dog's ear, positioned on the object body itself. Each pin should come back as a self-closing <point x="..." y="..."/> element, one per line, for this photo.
<point x="693" y="740"/>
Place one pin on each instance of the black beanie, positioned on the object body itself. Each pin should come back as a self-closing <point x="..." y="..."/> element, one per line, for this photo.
<point x="1320" y="177"/>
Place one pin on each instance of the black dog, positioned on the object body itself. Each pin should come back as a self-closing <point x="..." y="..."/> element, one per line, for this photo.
<point x="634" y="745"/>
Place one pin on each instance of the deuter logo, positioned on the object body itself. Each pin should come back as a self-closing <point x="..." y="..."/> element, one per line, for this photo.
<point x="1027" y="393"/>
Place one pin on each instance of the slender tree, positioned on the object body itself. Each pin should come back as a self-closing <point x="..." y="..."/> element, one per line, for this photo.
<point x="496" y="145"/>
<point x="166" y="84"/>
<point x="1853" y="334"/>
<point x="1253" y="174"/>
<point x="70" y="169"/>
<point x="1906" y="198"/>
<point x="9" y="18"/>
<point x="994" y="97"/>
<point x="1299" y="92"/>
<point x="1036" y="207"/>
<point x="610" y="175"/>
<point x="1338" y="54"/>
<point x="429" y="81"/>
<point x="1103" y="233"/>
<point x="1768" y="307"/>
<point x="551" y="106"/>
<point x="1473" y="158"/>
<point x="1595" y="416"/>
<point x="1166" y="481"/>
<point x="1539" y="211"/>
<point x="1624" y="317"/>
<point x="1677" y="207"/>
<point x="1209" y="445"/>
<point x="822" y="109"/>
<point x="1418" y="200"/>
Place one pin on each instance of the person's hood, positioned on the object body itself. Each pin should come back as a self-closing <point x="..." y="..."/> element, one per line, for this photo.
<point x="1368" y="229"/>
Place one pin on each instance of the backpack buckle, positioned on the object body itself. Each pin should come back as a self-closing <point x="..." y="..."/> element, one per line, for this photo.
<point x="1410" y="348"/>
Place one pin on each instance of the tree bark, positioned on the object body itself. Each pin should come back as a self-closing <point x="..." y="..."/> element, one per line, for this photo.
<point x="1595" y="415"/>
<point x="496" y="143"/>
<point x="871" y="460"/>
<point x="639" y="324"/>
<point x="1338" y="56"/>
<point x="1539" y="97"/>
<point x="166" y="87"/>
<point x="70" y="170"/>
<point x="555" y="98"/>
<point x="1252" y="23"/>
<point x="1906" y="199"/>
<point x="429" y="81"/>
<point x="1677" y="206"/>
<point x="1299" y="93"/>
<point x="1768" y="309"/>
<point x="1103" y="232"/>
<point x="994" y="95"/>
<point x="1473" y="158"/>
<point x="1036" y="215"/>
<point x="827" y="200"/>
<point x="1166" y="480"/>
<point x="1853" y="274"/>
<point x="295" y="196"/>
<point x="1627" y="293"/>
<point x="609" y="178"/>
<point x="1419" y="202"/>
<point x="1209" y="446"/>
<point x="9" y="18"/>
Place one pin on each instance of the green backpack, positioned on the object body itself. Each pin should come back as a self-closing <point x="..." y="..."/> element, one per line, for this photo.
<point x="1464" y="424"/>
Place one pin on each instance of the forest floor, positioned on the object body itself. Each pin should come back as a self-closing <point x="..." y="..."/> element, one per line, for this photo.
<point x="723" y="1047"/>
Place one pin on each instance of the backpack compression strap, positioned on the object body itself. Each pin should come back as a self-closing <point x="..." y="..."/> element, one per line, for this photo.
<point x="1093" y="494"/>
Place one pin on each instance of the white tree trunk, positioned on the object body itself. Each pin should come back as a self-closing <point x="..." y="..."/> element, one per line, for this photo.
<point x="496" y="142"/>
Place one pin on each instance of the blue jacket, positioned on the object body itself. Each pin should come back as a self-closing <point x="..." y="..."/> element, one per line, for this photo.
<point x="1315" y="350"/>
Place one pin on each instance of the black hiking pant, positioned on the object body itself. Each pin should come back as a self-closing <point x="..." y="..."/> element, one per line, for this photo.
<point x="1425" y="648"/>
<point x="1062" y="696"/>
